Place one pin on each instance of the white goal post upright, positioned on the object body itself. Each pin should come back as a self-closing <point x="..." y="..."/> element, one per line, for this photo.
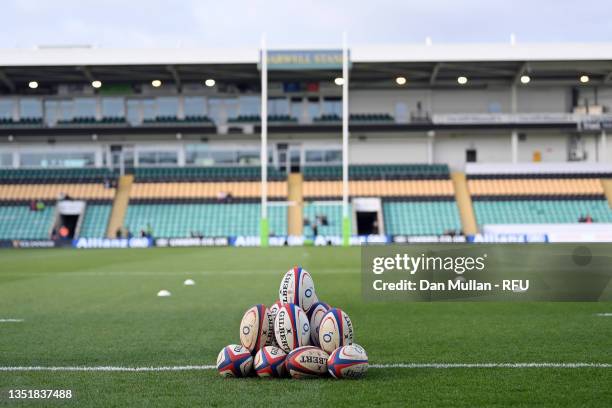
<point x="263" y="225"/>
<point x="346" y="221"/>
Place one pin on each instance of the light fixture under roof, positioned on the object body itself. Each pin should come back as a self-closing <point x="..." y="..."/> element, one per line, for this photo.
<point x="96" y="84"/>
<point x="400" y="80"/>
<point x="156" y="83"/>
<point x="339" y="81"/>
<point x="525" y="79"/>
<point x="584" y="79"/>
<point x="462" y="80"/>
<point x="210" y="82"/>
<point x="33" y="84"/>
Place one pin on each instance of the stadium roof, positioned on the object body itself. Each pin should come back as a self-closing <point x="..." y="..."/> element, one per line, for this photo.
<point x="57" y="56"/>
<point x="373" y="66"/>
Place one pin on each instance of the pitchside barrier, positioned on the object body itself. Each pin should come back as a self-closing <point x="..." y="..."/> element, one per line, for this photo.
<point x="321" y="240"/>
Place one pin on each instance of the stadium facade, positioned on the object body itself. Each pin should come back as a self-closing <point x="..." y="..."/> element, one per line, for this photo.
<point x="182" y="120"/>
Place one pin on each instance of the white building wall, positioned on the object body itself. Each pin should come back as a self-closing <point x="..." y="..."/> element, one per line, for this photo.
<point x="451" y="149"/>
<point x="553" y="148"/>
<point x="380" y="150"/>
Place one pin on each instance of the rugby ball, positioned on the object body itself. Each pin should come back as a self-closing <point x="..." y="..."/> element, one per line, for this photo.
<point x="291" y="327"/>
<point x="298" y="288"/>
<point x="273" y="311"/>
<point x="307" y="362"/>
<point x="315" y="315"/>
<point x="270" y="362"/>
<point x="256" y="328"/>
<point x="348" y="362"/>
<point x="234" y="361"/>
<point x="335" y="330"/>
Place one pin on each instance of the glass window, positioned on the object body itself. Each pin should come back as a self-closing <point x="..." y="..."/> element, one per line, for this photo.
<point x="157" y="158"/>
<point x="248" y="157"/>
<point x="314" y="156"/>
<point x="167" y="106"/>
<point x="333" y="156"/>
<point x="146" y="158"/>
<point x="313" y="108"/>
<point x="249" y="105"/>
<point x="223" y="157"/>
<point x="195" y="106"/>
<point x="113" y="108"/>
<point x="30" y="108"/>
<point x="51" y="111"/>
<point x="66" y="110"/>
<point x="6" y="159"/>
<point x="84" y="107"/>
<point x="148" y="109"/>
<point x="134" y="111"/>
<point x="57" y="159"/>
<point x="332" y="106"/>
<point x="278" y="106"/>
<point x="6" y="108"/>
<point x="296" y="107"/>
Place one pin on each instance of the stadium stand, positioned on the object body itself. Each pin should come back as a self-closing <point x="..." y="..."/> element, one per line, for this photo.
<point x="211" y="220"/>
<point x="216" y="173"/>
<point x="19" y="222"/>
<point x="332" y="212"/>
<point x="85" y="191"/>
<point x="50" y="176"/>
<point x="204" y="190"/>
<point x="95" y="220"/>
<point x="541" y="211"/>
<point x="421" y="217"/>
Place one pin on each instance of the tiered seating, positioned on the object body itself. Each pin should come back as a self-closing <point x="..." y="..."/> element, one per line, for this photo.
<point x="536" y="187"/>
<point x="540" y="211"/>
<point x="39" y="176"/>
<point x="357" y="117"/>
<point x="95" y="220"/>
<point x="421" y="218"/>
<point x="18" y="222"/>
<point x="382" y="188"/>
<point x="21" y="121"/>
<point x="211" y="220"/>
<point x="379" y="172"/>
<point x="257" y="119"/>
<point x="87" y="191"/>
<point x="175" y="119"/>
<point x="204" y="190"/>
<point x="333" y="213"/>
<point x="544" y="193"/>
<point x="233" y="173"/>
<point x="90" y="120"/>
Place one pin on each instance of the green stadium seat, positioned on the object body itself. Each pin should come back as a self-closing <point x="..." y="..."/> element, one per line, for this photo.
<point x="95" y="220"/>
<point x="19" y="222"/>
<point x="333" y="213"/>
<point x="540" y="211"/>
<point x="210" y="220"/>
<point x="421" y="217"/>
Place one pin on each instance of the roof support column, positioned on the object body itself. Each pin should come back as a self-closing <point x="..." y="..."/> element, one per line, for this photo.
<point x="514" y="146"/>
<point x="603" y="147"/>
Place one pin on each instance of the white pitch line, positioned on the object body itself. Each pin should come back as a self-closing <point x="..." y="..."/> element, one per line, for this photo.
<point x="11" y="320"/>
<point x="375" y="366"/>
<point x="604" y="314"/>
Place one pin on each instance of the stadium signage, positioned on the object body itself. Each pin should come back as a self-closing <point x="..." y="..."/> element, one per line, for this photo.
<point x="191" y="242"/>
<point x="88" y="243"/>
<point x="306" y="59"/>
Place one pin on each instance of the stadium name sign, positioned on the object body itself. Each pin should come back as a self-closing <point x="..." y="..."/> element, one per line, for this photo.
<point x="87" y="243"/>
<point x="307" y="59"/>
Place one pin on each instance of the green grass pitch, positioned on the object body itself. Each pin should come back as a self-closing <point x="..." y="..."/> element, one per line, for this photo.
<point x="99" y="308"/>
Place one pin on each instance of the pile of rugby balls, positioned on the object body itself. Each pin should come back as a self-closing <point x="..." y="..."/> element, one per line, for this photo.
<point x="298" y="336"/>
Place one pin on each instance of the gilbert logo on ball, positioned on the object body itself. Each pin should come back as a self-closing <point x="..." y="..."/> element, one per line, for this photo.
<point x="307" y="362"/>
<point x="234" y="361"/>
<point x="270" y="362"/>
<point x="256" y="328"/>
<point x="335" y="330"/>
<point x="348" y="362"/>
<point x="298" y="288"/>
<point x="291" y="327"/>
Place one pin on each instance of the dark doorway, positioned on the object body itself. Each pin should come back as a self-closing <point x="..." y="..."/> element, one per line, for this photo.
<point x="367" y="223"/>
<point x="470" y="155"/>
<point x="70" y="222"/>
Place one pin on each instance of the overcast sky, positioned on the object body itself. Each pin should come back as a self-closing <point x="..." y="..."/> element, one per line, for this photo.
<point x="239" y="23"/>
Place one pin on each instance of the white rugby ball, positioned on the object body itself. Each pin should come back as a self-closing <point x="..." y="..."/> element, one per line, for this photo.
<point x="291" y="327"/>
<point x="335" y="330"/>
<point x="315" y="315"/>
<point x="307" y="362"/>
<point x="270" y="362"/>
<point x="348" y="362"/>
<point x="234" y="361"/>
<point x="256" y="328"/>
<point x="298" y="288"/>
